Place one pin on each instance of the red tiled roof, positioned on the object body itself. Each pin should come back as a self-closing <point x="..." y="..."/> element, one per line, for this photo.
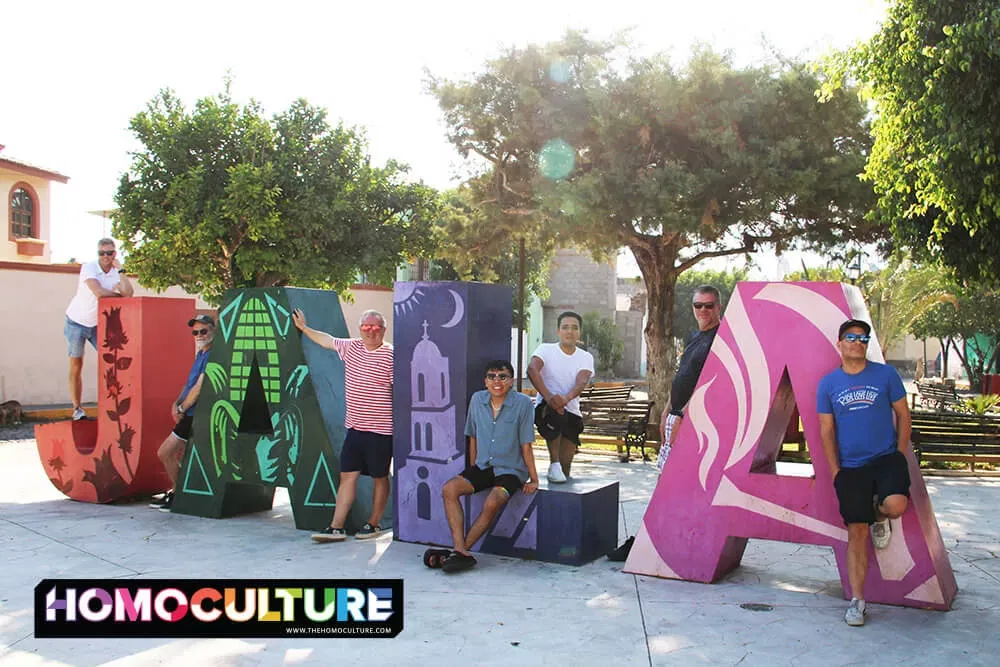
<point x="30" y="169"/>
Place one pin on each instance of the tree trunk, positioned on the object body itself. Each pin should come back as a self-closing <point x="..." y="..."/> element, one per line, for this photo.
<point x="657" y="261"/>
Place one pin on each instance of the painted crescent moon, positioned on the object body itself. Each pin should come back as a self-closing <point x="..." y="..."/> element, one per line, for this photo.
<point x="459" y="311"/>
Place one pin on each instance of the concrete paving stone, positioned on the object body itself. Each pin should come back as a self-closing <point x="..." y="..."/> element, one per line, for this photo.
<point x="504" y="611"/>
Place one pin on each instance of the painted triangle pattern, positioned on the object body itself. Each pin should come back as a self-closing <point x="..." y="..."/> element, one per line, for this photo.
<point x="199" y="485"/>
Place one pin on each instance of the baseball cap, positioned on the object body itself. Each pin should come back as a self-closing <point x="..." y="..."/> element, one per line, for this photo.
<point x="854" y="323"/>
<point x="204" y="319"/>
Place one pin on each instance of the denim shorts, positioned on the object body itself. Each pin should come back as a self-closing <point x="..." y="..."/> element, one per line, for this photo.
<point x="77" y="335"/>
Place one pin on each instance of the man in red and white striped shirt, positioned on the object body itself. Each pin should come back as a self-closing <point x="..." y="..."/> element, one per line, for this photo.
<point x="368" y="444"/>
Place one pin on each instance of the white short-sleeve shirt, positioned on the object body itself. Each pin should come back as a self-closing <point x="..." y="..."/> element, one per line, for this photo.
<point x="83" y="308"/>
<point x="559" y="370"/>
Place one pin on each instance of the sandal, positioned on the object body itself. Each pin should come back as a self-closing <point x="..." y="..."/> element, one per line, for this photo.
<point x="435" y="558"/>
<point x="457" y="562"/>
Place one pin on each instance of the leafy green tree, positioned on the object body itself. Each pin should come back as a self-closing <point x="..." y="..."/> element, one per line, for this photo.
<point x="832" y="274"/>
<point x="221" y="196"/>
<point x="471" y="248"/>
<point x="678" y="164"/>
<point x="932" y="71"/>
<point x="899" y="294"/>
<point x="974" y="318"/>
<point x="600" y="335"/>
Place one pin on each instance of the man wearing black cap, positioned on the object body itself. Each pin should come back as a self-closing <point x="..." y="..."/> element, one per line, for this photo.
<point x="865" y="450"/>
<point x="182" y="410"/>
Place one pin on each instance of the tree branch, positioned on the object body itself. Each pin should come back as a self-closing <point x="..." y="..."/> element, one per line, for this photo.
<point x="688" y="263"/>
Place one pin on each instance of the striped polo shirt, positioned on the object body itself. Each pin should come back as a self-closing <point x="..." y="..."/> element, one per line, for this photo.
<point x="368" y="385"/>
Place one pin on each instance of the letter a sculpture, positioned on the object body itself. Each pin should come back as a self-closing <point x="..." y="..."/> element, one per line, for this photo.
<point x="720" y="487"/>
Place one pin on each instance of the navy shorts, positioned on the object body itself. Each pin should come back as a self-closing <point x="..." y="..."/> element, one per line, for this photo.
<point x="886" y="476"/>
<point x="182" y="430"/>
<point x="486" y="479"/>
<point x="366" y="452"/>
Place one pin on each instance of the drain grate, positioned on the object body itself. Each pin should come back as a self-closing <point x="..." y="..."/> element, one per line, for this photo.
<point x="756" y="606"/>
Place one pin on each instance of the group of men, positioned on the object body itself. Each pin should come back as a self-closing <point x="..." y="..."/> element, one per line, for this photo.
<point x="864" y="420"/>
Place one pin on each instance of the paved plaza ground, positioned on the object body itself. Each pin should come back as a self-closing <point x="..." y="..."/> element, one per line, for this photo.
<point x="505" y="611"/>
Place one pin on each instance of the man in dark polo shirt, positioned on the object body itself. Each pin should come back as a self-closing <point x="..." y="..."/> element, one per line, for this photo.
<point x="707" y="305"/>
<point x="501" y="431"/>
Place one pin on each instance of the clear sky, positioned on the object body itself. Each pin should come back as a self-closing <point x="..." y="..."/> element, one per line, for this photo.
<point x="77" y="72"/>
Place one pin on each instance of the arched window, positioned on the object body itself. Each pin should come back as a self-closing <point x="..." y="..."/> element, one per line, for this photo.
<point x="23" y="213"/>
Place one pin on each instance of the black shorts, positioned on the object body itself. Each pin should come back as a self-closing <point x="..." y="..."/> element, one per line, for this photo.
<point x="886" y="476"/>
<point x="366" y="452"/>
<point x="551" y="424"/>
<point x="182" y="429"/>
<point x="485" y="479"/>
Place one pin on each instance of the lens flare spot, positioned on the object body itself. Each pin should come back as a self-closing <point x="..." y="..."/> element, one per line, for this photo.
<point x="556" y="159"/>
<point x="559" y="71"/>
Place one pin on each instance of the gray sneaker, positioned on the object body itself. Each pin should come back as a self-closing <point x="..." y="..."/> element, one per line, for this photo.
<point x="855" y="615"/>
<point x="78" y="414"/>
<point x="881" y="533"/>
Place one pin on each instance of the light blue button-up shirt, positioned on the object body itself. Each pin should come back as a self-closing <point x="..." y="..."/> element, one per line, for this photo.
<point x="498" y="441"/>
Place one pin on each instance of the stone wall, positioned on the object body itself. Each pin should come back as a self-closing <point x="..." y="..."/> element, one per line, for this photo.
<point x="578" y="283"/>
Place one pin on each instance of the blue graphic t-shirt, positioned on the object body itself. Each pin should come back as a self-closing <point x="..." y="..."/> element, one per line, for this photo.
<point x="861" y="406"/>
<point x="197" y="368"/>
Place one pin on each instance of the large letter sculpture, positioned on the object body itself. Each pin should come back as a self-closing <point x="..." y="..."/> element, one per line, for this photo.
<point x="270" y="408"/>
<point x="144" y="351"/>
<point x="445" y="333"/>
<point x="719" y="485"/>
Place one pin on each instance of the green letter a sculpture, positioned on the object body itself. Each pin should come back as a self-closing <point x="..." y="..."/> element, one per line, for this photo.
<point x="270" y="413"/>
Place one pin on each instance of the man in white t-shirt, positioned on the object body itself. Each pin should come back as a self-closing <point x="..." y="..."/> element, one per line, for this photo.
<point x="559" y="372"/>
<point x="97" y="279"/>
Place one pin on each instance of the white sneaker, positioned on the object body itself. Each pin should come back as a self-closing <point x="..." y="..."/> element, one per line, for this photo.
<point x="556" y="475"/>
<point x="881" y="534"/>
<point x="856" y="613"/>
<point x="78" y="414"/>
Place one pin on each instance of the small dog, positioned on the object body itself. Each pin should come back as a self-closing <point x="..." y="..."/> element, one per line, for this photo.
<point x="11" y="412"/>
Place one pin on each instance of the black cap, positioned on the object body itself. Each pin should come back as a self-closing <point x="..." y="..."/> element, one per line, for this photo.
<point x="204" y="319"/>
<point x="854" y="323"/>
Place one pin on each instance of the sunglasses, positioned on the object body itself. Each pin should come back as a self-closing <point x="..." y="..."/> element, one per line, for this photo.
<point x="857" y="338"/>
<point x="371" y="327"/>
<point x="503" y="377"/>
<point x="698" y="305"/>
<point x="199" y="332"/>
<point x="106" y="253"/>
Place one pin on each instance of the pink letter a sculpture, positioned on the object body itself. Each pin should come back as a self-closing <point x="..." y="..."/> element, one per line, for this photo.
<point x="719" y="485"/>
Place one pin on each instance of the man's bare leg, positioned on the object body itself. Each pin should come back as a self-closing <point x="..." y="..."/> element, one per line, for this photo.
<point x="567" y="450"/>
<point x="452" y="493"/>
<point x="857" y="558"/>
<point x="75" y="380"/>
<point x="345" y="498"/>
<point x="380" y="498"/>
<point x="494" y="502"/>
<point x="553" y="446"/>
<point x="893" y="506"/>
<point x="169" y="453"/>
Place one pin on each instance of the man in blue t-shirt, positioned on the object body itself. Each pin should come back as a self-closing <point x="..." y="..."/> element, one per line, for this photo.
<point x="864" y="448"/>
<point x="501" y="431"/>
<point x="182" y="410"/>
